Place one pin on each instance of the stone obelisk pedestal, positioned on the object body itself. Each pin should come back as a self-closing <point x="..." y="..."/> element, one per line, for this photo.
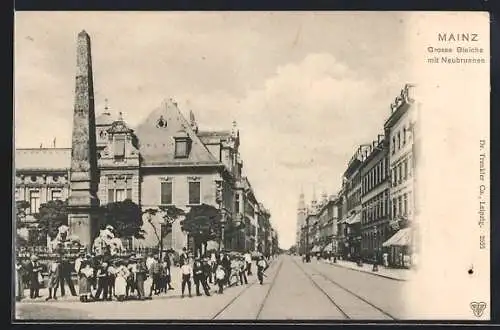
<point x="83" y="202"/>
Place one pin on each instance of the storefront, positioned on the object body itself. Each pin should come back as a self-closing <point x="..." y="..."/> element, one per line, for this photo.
<point x="354" y="236"/>
<point x="398" y="247"/>
<point x="329" y="249"/>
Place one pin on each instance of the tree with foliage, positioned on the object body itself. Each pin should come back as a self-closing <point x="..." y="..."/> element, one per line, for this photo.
<point x="21" y="207"/>
<point x="50" y="217"/>
<point x="125" y="217"/>
<point x="202" y="222"/>
<point x="170" y="214"/>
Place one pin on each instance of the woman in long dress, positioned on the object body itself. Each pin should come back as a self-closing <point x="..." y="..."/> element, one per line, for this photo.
<point x="121" y="274"/>
<point x="85" y="276"/>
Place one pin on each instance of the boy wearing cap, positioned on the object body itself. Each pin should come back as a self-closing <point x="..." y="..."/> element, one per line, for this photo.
<point x="102" y="282"/>
<point x="200" y="277"/>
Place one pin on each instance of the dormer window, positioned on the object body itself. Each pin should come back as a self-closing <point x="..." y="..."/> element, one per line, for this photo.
<point x="181" y="148"/>
<point x="182" y="145"/>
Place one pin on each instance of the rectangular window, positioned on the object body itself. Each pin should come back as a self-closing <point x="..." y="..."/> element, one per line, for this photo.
<point x="399" y="140"/>
<point x="378" y="208"/>
<point x="56" y="195"/>
<point x="34" y="201"/>
<point x="181" y="150"/>
<point x="120" y="195"/>
<point x="405" y="204"/>
<point x="18" y="194"/>
<point x="194" y="193"/>
<point x="410" y="202"/>
<point x="405" y="169"/>
<point x="404" y="135"/>
<point x="111" y="195"/>
<point x="119" y="147"/>
<point x="166" y="193"/>
<point x="382" y="205"/>
<point x="400" y="172"/>
<point x="237" y="203"/>
<point x="394" y="207"/>
<point x="129" y="193"/>
<point x="393" y="145"/>
<point x="400" y="206"/>
<point x="410" y="166"/>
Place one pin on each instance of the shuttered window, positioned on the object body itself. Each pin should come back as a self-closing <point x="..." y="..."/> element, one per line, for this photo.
<point x="166" y="193"/>
<point x="194" y="193"/>
<point x="111" y="195"/>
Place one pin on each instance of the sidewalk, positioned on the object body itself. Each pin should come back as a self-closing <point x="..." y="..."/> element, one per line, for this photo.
<point x="392" y="273"/>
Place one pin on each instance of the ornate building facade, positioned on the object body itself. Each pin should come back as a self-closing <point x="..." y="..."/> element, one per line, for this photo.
<point x="400" y="128"/>
<point x="166" y="161"/>
<point x="375" y="199"/>
<point x="374" y="210"/>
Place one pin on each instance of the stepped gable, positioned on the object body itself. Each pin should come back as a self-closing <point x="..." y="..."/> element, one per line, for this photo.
<point x="43" y="159"/>
<point x="156" y="136"/>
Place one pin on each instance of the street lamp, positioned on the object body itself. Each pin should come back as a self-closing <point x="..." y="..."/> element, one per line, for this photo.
<point x="375" y="263"/>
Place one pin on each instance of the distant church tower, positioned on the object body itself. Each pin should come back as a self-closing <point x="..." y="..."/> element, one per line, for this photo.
<point x="301" y="218"/>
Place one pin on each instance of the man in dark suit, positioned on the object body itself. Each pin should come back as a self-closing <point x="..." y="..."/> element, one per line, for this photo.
<point x="34" y="270"/>
<point x="65" y="276"/>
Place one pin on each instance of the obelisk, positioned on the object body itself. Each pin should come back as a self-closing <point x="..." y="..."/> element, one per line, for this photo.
<point x="83" y="202"/>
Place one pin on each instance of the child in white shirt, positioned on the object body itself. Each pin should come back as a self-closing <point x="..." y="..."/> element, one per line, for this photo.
<point x="220" y="275"/>
<point x="186" y="271"/>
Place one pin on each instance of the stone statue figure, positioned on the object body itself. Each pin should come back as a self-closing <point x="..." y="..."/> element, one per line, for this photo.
<point x="63" y="240"/>
<point x="106" y="241"/>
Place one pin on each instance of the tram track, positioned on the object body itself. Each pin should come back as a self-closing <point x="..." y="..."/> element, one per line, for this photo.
<point x="245" y="290"/>
<point x="333" y="301"/>
<point x="261" y="306"/>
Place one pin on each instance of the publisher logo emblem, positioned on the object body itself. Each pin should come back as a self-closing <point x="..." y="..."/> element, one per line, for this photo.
<point x="478" y="308"/>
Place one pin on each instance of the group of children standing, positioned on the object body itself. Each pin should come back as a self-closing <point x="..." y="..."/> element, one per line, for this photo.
<point x="136" y="277"/>
<point x="99" y="279"/>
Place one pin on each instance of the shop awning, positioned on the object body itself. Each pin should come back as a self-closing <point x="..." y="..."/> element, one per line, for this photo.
<point x="400" y="238"/>
<point x="315" y="249"/>
<point x="355" y="218"/>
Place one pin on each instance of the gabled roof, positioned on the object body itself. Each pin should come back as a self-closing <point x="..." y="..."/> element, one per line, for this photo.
<point x="43" y="159"/>
<point x="157" y="143"/>
<point x="214" y="137"/>
<point x="119" y="126"/>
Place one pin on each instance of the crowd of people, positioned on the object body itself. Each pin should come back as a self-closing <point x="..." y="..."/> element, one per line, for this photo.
<point x="136" y="276"/>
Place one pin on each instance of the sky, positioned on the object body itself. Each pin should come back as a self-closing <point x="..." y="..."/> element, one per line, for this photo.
<point x="305" y="88"/>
